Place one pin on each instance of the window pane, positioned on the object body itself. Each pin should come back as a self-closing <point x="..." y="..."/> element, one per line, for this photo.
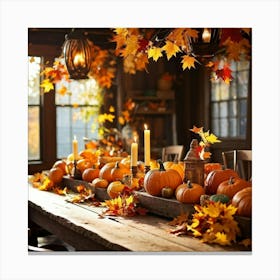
<point x="243" y="107"/>
<point x="34" y="80"/>
<point x="243" y="124"/>
<point x="215" y="110"/>
<point x="215" y="92"/>
<point x="223" y="109"/>
<point x="224" y="91"/>
<point x="33" y="133"/>
<point x="233" y="90"/>
<point x="215" y="126"/>
<point x="233" y="127"/>
<point x="224" y="127"/>
<point x="232" y="108"/>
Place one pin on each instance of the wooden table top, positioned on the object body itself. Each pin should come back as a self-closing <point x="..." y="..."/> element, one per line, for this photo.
<point x="81" y="226"/>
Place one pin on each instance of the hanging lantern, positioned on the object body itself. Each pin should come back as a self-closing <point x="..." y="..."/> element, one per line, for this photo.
<point x="77" y="55"/>
<point x="207" y="42"/>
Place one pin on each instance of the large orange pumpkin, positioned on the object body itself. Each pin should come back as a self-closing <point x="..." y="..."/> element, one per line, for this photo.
<point x="156" y="179"/>
<point x="62" y="165"/>
<point x="243" y="201"/>
<point x="100" y="183"/>
<point x="56" y="175"/>
<point x="178" y="166"/>
<point x="189" y="192"/>
<point x="233" y="185"/>
<point x="215" y="177"/>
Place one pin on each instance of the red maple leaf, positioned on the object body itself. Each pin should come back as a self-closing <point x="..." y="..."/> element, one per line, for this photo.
<point x="143" y="43"/>
<point x="233" y="33"/>
<point x="224" y="73"/>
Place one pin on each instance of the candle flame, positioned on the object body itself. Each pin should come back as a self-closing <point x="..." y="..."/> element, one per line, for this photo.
<point x="135" y="138"/>
<point x="75" y="138"/>
<point x="145" y="126"/>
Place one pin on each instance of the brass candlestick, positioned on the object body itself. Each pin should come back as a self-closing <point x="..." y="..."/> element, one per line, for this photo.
<point x="147" y="169"/>
<point x="133" y="171"/>
<point x="76" y="173"/>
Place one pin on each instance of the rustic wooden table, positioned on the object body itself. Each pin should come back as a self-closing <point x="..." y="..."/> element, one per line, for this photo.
<point x="81" y="226"/>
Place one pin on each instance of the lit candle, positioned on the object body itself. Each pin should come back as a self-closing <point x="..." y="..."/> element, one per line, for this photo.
<point x="134" y="153"/>
<point x="79" y="60"/>
<point x="206" y="35"/>
<point x="147" y="146"/>
<point x="75" y="148"/>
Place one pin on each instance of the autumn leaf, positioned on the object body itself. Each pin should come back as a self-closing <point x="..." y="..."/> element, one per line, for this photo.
<point x="111" y="109"/>
<point x="155" y="53"/>
<point x="225" y="74"/>
<point x="62" y="90"/>
<point x="196" y="129"/>
<point x="47" y="85"/>
<point x="179" y="219"/>
<point x="192" y="32"/>
<point x="171" y="49"/>
<point x="188" y="62"/>
<point x="212" y="138"/>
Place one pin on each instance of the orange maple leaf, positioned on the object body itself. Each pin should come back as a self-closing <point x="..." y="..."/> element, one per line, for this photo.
<point x="188" y="62"/>
<point x="197" y="129"/>
<point x="171" y="49"/>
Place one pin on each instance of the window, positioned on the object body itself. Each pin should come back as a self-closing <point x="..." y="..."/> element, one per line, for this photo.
<point x="76" y="113"/>
<point x="229" y="103"/>
<point x="34" y="69"/>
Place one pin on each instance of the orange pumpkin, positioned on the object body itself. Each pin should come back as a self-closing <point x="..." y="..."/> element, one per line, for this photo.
<point x="178" y="166"/>
<point x="215" y="177"/>
<point x="83" y="164"/>
<point x="242" y="200"/>
<point x="125" y="162"/>
<point x="210" y="166"/>
<point x="90" y="174"/>
<point x="62" y="165"/>
<point x="56" y="175"/>
<point x="100" y="183"/>
<point x="105" y="171"/>
<point x="156" y="179"/>
<point x="232" y="186"/>
<point x="115" y="188"/>
<point x="189" y="192"/>
<point x="117" y="172"/>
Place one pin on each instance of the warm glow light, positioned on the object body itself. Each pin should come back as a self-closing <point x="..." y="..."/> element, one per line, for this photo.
<point x="145" y="126"/>
<point x="206" y="35"/>
<point x="147" y="146"/>
<point x="79" y="60"/>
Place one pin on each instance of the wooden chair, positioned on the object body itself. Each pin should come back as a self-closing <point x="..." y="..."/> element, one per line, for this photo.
<point x="172" y="153"/>
<point x="240" y="161"/>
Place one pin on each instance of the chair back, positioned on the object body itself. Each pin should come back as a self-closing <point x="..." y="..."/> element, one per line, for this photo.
<point x="240" y="161"/>
<point x="172" y="153"/>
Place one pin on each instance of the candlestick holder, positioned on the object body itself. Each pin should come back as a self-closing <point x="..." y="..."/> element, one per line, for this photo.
<point x="147" y="169"/>
<point x="76" y="173"/>
<point x="133" y="171"/>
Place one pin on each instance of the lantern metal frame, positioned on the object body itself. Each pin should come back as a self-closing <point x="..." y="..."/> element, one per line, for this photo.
<point x="77" y="55"/>
<point x="206" y="49"/>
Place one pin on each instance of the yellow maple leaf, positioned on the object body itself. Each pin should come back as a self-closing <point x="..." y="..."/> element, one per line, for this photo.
<point x="188" y="62"/>
<point x="47" y="85"/>
<point x="111" y="109"/>
<point x="221" y="238"/>
<point x="212" y="138"/>
<point x="131" y="46"/>
<point x="192" y="32"/>
<point x="171" y="49"/>
<point x="155" y="53"/>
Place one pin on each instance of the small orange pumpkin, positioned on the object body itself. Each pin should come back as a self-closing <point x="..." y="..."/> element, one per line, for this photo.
<point x="232" y="186"/>
<point x="115" y="188"/>
<point x="90" y="174"/>
<point x="100" y="183"/>
<point x="242" y="200"/>
<point x="189" y="192"/>
<point x="118" y="171"/>
<point x="215" y="177"/>
<point x="210" y="166"/>
<point x="156" y="179"/>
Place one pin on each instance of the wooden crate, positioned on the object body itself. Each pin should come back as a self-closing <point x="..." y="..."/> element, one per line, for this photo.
<point x="169" y="208"/>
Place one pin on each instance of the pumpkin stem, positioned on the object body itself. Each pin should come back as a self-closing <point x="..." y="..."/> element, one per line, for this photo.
<point x="189" y="184"/>
<point x="161" y="166"/>
<point x="231" y="180"/>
